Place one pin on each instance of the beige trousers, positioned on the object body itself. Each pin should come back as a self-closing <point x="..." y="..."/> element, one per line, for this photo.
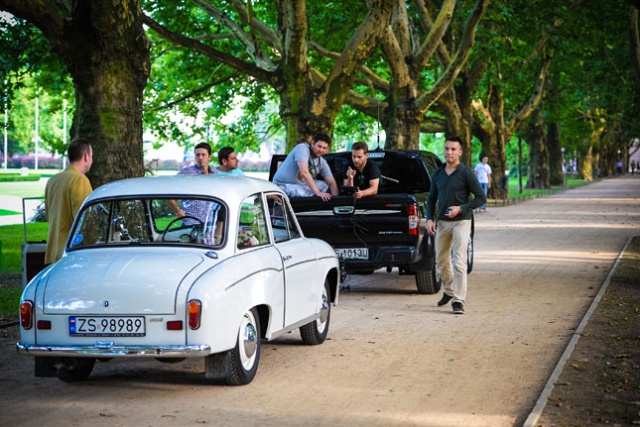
<point x="452" y="238"/>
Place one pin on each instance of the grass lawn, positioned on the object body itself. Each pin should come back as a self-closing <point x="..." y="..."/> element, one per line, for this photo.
<point x="11" y="239"/>
<point x="23" y="188"/>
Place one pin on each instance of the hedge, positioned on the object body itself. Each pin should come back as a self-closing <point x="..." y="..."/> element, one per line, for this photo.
<point x="15" y="177"/>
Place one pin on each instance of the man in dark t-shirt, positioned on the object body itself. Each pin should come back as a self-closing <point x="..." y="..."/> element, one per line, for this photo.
<point x="360" y="172"/>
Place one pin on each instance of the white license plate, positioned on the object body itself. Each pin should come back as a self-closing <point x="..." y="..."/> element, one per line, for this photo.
<point x="353" y="253"/>
<point x="106" y="326"/>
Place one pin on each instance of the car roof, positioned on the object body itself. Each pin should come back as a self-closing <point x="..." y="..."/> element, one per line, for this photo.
<point x="227" y="188"/>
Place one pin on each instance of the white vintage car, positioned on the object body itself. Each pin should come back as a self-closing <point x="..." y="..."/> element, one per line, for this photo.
<point x="175" y="267"/>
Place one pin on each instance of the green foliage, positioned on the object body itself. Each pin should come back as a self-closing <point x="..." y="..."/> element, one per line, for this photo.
<point x="29" y="66"/>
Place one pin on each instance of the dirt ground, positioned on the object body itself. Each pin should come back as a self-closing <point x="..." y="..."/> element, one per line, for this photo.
<point x="394" y="358"/>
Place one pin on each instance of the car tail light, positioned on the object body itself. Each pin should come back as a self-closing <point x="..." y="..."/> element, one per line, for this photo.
<point x="26" y="314"/>
<point x="174" y="325"/>
<point x="195" y="309"/>
<point x="414" y="220"/>
<point x="43" y="325"/>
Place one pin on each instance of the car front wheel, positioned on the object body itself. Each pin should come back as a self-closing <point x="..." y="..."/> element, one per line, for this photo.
<point x="239" y="365"/>
<point x="314" y="333"/>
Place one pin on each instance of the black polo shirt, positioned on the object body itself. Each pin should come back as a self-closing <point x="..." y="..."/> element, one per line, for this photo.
<point x="454" y="190"/>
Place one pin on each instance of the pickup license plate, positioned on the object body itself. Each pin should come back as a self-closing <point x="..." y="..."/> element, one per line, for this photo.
<point x="353" y="253"/>
<point x="106" y="326"/>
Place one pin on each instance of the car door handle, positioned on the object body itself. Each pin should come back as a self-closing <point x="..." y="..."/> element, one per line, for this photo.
<point x="286" y="258"/>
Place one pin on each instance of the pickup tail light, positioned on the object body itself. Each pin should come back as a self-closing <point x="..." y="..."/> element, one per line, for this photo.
<point x="414" y="220"/>
<point x="26" y="314"/>
<point x="194" y="311"/>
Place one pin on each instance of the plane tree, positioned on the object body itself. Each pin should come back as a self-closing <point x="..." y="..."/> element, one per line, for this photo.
<point x="104" y="48"/>
<point x="405" y="81"/>
<point x="269" y="43"/>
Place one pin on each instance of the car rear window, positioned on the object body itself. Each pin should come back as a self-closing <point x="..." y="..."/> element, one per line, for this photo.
<point x="124" y="221"/>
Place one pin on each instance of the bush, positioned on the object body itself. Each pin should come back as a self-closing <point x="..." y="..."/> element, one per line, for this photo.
<point x="16" y="177"/>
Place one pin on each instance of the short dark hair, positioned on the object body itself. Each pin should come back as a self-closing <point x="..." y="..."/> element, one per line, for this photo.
<point x="77" y="149"/>
<point x="454" y="139"/>
<point x="224" y="153"/>
<point x="322" y="137"/>
<point x="359" y="145"/>
<point x="204" y="145"/>
<point x="482" y="156"/>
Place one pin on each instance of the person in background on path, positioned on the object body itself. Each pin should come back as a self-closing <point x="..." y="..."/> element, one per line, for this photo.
<point x="63" y="196"/>
<point x="633" y="167"/>
<point x="483" y="172"/>
<point x="304" y="173"/>
<point x="228" y="162"/>
<point x="360" y="172"/>
<point x="196" y="208"/>
<point x="451" y="186"/>
<point x="619" y="167"/>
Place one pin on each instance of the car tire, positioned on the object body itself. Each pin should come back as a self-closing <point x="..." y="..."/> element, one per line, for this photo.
<point x="428" y="281"/>
<point x="239" y="365"/>
<point x="314" y="333"/>
<point x="75" y="369"/>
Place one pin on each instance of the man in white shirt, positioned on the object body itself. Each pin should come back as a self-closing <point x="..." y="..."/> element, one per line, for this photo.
<point x="483" y="172"/>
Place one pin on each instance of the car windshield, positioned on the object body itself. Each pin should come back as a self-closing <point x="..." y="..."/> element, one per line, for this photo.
<point x="151" y="221"/>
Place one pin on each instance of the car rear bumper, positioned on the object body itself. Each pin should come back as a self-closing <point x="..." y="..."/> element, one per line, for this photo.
<point x="114" y="351"/>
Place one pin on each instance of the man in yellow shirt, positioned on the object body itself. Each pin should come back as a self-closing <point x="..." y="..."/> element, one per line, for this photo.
<point x="63" y="196"/>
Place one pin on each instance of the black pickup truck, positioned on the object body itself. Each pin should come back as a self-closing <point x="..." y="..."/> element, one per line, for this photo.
<point x="382" y="231"/>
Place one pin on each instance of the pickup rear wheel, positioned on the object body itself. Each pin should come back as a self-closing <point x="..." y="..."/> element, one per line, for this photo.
<point x="239" y="365"/>
<point x="314" y="333"/>
<point x="428" y="281"/>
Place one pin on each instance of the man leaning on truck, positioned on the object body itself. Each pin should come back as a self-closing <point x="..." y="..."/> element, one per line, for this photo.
<point x="360" y="172"/>
<point x="451" y="186"/>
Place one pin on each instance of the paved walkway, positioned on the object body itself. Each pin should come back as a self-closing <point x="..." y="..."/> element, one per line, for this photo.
<point x="14" y="203"/>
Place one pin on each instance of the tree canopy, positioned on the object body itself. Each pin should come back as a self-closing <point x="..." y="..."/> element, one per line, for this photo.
<point x="560" y="75"/>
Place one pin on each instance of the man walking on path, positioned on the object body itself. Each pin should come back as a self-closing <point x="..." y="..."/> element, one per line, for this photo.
<point x="451" y="186"/>
<point x="63" y="196"/>
<point x="483" y="172"/>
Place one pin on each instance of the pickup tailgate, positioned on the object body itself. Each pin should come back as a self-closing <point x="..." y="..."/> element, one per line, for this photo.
<point x="345" y="222"/>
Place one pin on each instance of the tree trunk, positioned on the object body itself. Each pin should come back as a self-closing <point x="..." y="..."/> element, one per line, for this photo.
<point x="556" y="158"/>
<point x="408" y="58"/>
<point x="538" y="154"/>
<point x="106" y="51"/>
<point x="457" y="124"/>
<point x="586" y="166"/>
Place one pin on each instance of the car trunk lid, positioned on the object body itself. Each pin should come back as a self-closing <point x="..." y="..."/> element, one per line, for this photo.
<point x="109" y="282"/>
